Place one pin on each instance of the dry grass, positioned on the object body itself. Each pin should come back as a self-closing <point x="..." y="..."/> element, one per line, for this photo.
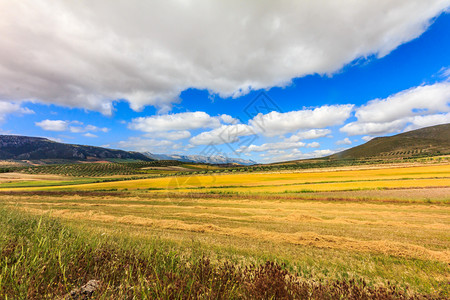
<point x="299" y="238"/>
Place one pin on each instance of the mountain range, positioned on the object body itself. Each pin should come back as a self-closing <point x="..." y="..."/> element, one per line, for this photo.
<point x="15" y="147"/>
<point x="213" y="159"/>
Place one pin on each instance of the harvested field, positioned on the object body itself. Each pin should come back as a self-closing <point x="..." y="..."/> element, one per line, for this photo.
<point x="14" y="177"/>
<point x="388" y="225"/>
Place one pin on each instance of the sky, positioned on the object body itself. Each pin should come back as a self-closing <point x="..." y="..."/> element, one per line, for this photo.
<point x="262" y="80"/>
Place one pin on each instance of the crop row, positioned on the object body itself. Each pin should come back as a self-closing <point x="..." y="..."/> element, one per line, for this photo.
<point x="96" y="169"/>
<point x="139" y="167"/>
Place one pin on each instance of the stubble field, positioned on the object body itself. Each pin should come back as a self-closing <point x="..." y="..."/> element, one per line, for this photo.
<point x="381" y="225"/>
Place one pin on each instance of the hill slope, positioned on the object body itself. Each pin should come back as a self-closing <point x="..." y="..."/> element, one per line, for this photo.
<point x="25" y="148"/>
<point x="432" y="140"/>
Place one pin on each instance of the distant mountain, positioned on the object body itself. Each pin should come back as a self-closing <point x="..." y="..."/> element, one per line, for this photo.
<point x="432" y="140"/>
<point x="215" y="159"/>
<point x="35" y="148"/>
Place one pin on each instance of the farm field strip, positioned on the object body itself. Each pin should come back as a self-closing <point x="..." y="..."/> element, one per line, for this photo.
<point x="279" y="220"/>
<point x="432" y="211"/>
<point x="281" y="215"/>
<point x="274" y="182"/>
<point x="335" y="186"/>
<point x="353" y="185"/>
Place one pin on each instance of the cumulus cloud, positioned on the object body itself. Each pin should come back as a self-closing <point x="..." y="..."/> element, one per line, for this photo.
<point x="430" y="120"/>
<point x="228" y="119"/>
<point x="79" y="129"/>
<point x="417" y="107"/>
<point x="89" y="54"/>
<point x="427" y="99"/>
<point x="7" y="108"/>
<point x="372" y="128"/>
<point x="90" y="135"/>
<point x="179" y="121"/>
<point x="223" y="135"/>
<point x="345" y="141"/>
<point x="318" y="153"/>
<point x="61" y="125"/>
<point x="272" y="146"/>
<point x="170" y="135"/>
<point x="276" y="123"/>
<point x="313" y="145"/>
<point x="145" y="144"/>
<point x="272" y="124"/>
<point x="295" y="154"/>
<point x="53" y="125"/>
<point x="309" y="134"/>
<point x="367" y="138"/>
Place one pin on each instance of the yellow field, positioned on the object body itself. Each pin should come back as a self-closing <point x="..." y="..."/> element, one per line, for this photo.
<point x="399" y="177"/>
<point x="324" y="224"/>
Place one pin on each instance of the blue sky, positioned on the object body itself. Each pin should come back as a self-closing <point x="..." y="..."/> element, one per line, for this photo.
<point x="382" y="82"/>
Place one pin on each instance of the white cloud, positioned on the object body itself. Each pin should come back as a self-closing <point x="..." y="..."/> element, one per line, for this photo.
<point x="76" y="129"/>
<point x="427" y="99"/>
<point x="53" y="125"/>
<point x="309" y="134"/>
<point x="367" y="138"/>
<point x="345" y="141"/>
<point x="313" y="145"/>
<point x="296" y="154"/>
<point x="58" y="140"/>
<point x="405" y="124"/>
<point x="80" y="129"/>
<point x="430" y="120"/>
<point x="272" y="146"/>
<point x="95" y="128"/>
<point x="228" y="119"/>
<point x="179" y="121"/>
<point x="445" y="72"/>
<point x="276" y="123"/>
<point x="357" y="128"/>
<point x="60" y="125"/>
<point x="222" y="135"/>
<point x="170" y="135"/>
<point x="147" y="52"/>
<point x="415" y="108"/>
<point x="7" y="108"/>
<point x="272" y="124"/>
<point x="151" y="145"/>
<point x="88" y="134"/>
<point x="319" y="153"/>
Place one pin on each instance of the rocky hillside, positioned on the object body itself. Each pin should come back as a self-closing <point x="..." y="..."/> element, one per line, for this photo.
<point x="29" y="148"/>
